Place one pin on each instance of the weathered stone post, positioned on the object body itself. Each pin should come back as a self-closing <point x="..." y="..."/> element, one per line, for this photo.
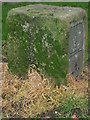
<point x="50" y="37"/>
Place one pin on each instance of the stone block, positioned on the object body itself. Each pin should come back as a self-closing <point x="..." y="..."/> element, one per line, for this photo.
<point x="49" y="37"/>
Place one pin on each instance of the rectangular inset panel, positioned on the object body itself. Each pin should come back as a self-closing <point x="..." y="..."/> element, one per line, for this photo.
<point x="76" y="37"/>
<point x="76" y="63"/>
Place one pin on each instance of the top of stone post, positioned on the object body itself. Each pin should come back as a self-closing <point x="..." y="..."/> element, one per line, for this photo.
<point x="68" y="13"/>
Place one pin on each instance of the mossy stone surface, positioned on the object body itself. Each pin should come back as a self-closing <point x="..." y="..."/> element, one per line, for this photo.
<point x="38" y="34"/>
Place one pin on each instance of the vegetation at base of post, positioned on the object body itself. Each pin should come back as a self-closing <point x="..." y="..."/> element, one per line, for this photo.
<point x="37" y="98"/>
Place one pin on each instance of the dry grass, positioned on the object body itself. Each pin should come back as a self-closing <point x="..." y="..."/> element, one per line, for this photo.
<point x="33" y="96"/>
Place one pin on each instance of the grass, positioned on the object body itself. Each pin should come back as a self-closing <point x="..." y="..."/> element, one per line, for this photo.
<point x="27" y="100"/>
<point x="34" y="97"/>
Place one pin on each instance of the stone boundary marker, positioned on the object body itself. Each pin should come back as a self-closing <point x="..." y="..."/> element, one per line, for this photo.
<point x="50" y="38"/>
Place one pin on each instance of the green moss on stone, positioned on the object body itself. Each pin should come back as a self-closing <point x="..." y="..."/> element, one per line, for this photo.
<point x="39" y="35"/>
<point x="17" y="45"/>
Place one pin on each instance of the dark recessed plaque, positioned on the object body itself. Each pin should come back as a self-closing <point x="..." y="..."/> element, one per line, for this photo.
<point x="76" y="41"/>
